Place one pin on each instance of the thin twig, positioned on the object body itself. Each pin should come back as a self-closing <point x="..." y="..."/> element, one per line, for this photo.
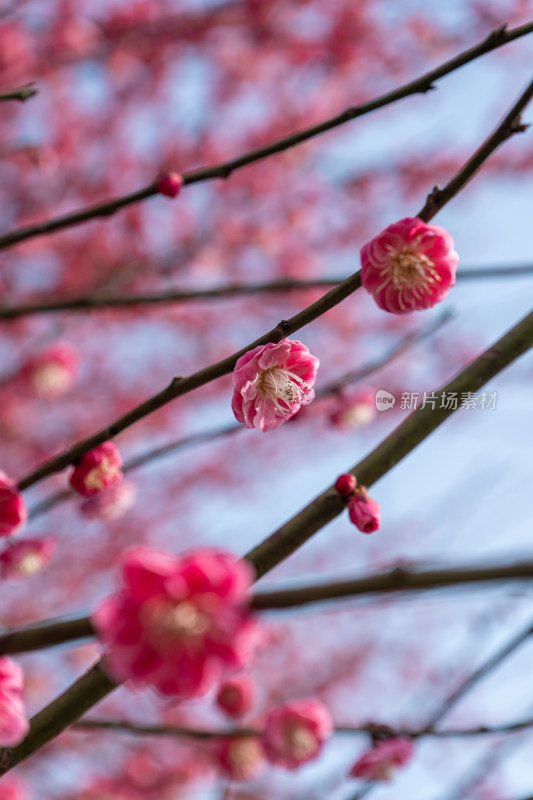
<point x="99" y="301"/>
<point x="421" y="85"/>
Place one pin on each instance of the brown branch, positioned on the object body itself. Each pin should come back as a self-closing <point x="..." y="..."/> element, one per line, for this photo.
<point x="48" y="634"/>
<point x="500" y="36"/>
<point x="100" y="301"/>
<point x="510" y="125"/>
<point x="334" y="387"/>
<point x="418" y="426"/>
<point x="370" y="729"/>
<point x="23" y="93"/>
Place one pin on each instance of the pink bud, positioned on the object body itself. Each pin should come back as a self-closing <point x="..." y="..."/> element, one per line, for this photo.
<point x="13" y="719"/>
<point x="236" y="696"/>
<point x="97" y="470"/>
<point x="364" y="512"/>
<point x="169" y="183"/>
<point x="13" y="512"/>
<point x="295" y="733"/>
<point x="345" y="485"/>
<point x="26" y="557"/>
<point x="241" y="758"/>
<point x="380" y="763"/>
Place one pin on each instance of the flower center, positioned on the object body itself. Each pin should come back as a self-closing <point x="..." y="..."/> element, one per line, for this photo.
<point x="104" y="472"/>
<point x="173" y="622"/>
<point x="412" y="271"/>
<point x="300" y="741"/>
<point x="51" y="379"/>
<point x="29" y="564"/>
<point x="284" y="388"/>
<point x="244" y="757"/>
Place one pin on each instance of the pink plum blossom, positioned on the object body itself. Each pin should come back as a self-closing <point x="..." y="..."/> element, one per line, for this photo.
<point x="178" y="623"/>
<point x="295" y="733"/>
<point x="241" y="758"/>
<point x="236" y="696"/>
<point x="97" y="470"/>
<point x="111" y="504"/>
<point x="355" y="411"/>
<point x="409" y="266"/>
<point x="272" y="382"/>
<point x="53" y="372"/>
<point x="13" y="511"/>
<point x="26" y="557"/>
<point x="364" y="512"/>
<point x="380" y="763"/>
<point x="13" y="719"/>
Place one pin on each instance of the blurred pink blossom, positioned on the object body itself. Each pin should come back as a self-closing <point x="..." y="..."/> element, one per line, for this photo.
<point x="380" y="763"/>
<point x="295" y="733"/>
<point x="97" y="470"/>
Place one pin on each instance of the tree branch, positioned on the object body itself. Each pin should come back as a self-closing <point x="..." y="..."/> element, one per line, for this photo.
<point x="500" y="36"/>
<point x="23" y="93"/>
<point x="100" y="301"/>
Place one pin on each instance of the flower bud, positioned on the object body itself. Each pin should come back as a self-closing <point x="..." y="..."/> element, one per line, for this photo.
<point x="364" y="512"/>
<point x="235" y="696"/>
<point x="13" y="512"/>
<point x="169" y="184"/>
<point x="345" y="485"/>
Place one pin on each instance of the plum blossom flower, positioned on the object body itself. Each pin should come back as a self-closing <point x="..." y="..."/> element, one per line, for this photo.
<point x="271" y="383"/>
<point x="178" y="623"/>
<point x="14" y="723"/>
<point x="295" y="733"/>
<point x="111" y="504"/>
<point x="13" y="511"/>
<point x="53" y="372"/>
<point x="97" y="470"/>
<point x="241" y="758"/>
<point x="355" y="411"/>
<point x="409" y="266"/>
<point x="26" y="557"/>
<point x="236" y="696"/>
<point x="364" y="512"/>
<point x="380" y="763"/>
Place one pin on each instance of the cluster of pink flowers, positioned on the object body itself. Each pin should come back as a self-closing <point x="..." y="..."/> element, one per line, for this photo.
<point x="364" y="512"/>
<point x="381" y="762"/>
<point x="272" y="382"/>
<point x="53" y="372"/>
<point x="13" y="511"/>
<point x="97" y="470"/>
<point x="178" y="623"/>
<point x="409" y="266"/>
<point x="13" y="719"/>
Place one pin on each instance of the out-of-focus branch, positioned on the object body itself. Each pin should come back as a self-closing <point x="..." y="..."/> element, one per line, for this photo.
<point x="99" y="301"/>
<point x="138" y="729"/>
<point x="23" y="93"/>
<point x="48" y="634"/>
<point x="181" y="386"/>
<point x="421" y="85"/>
<point x="336" y="386"/>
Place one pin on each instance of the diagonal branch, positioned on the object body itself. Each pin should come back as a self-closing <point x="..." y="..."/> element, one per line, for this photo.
<point x="500" y="36"/>
<point x="22" y="93"/>
<point x="98" y="301"/>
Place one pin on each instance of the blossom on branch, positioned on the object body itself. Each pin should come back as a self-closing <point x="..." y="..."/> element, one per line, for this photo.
<point x="26" y="557"/>
<point x="53" y="372"/>
<point x="409" y="266"/>
<point x="169" y="184"/>
<point x="13" y="511"/>
<point x="14" y="723"/>
<point x="97" y="470"/>
<point x="364" y="512"/>
<point x="235" y="696"/>
<point x="111" y="504"/>
<point x="380" y="763"/>
<point x="241" y="758"/>
<point x="272" y="382"/>
<point x="178" y="623"/>
<point x="294" y="734"/>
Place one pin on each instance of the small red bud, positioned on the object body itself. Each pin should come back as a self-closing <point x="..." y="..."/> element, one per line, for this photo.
<point x="345" y="485"/>
<point x="169" y="183"/>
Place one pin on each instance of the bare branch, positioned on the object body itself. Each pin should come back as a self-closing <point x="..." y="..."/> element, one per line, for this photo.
<point x="23" y="93"/>
<point x="500" y="36"/>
